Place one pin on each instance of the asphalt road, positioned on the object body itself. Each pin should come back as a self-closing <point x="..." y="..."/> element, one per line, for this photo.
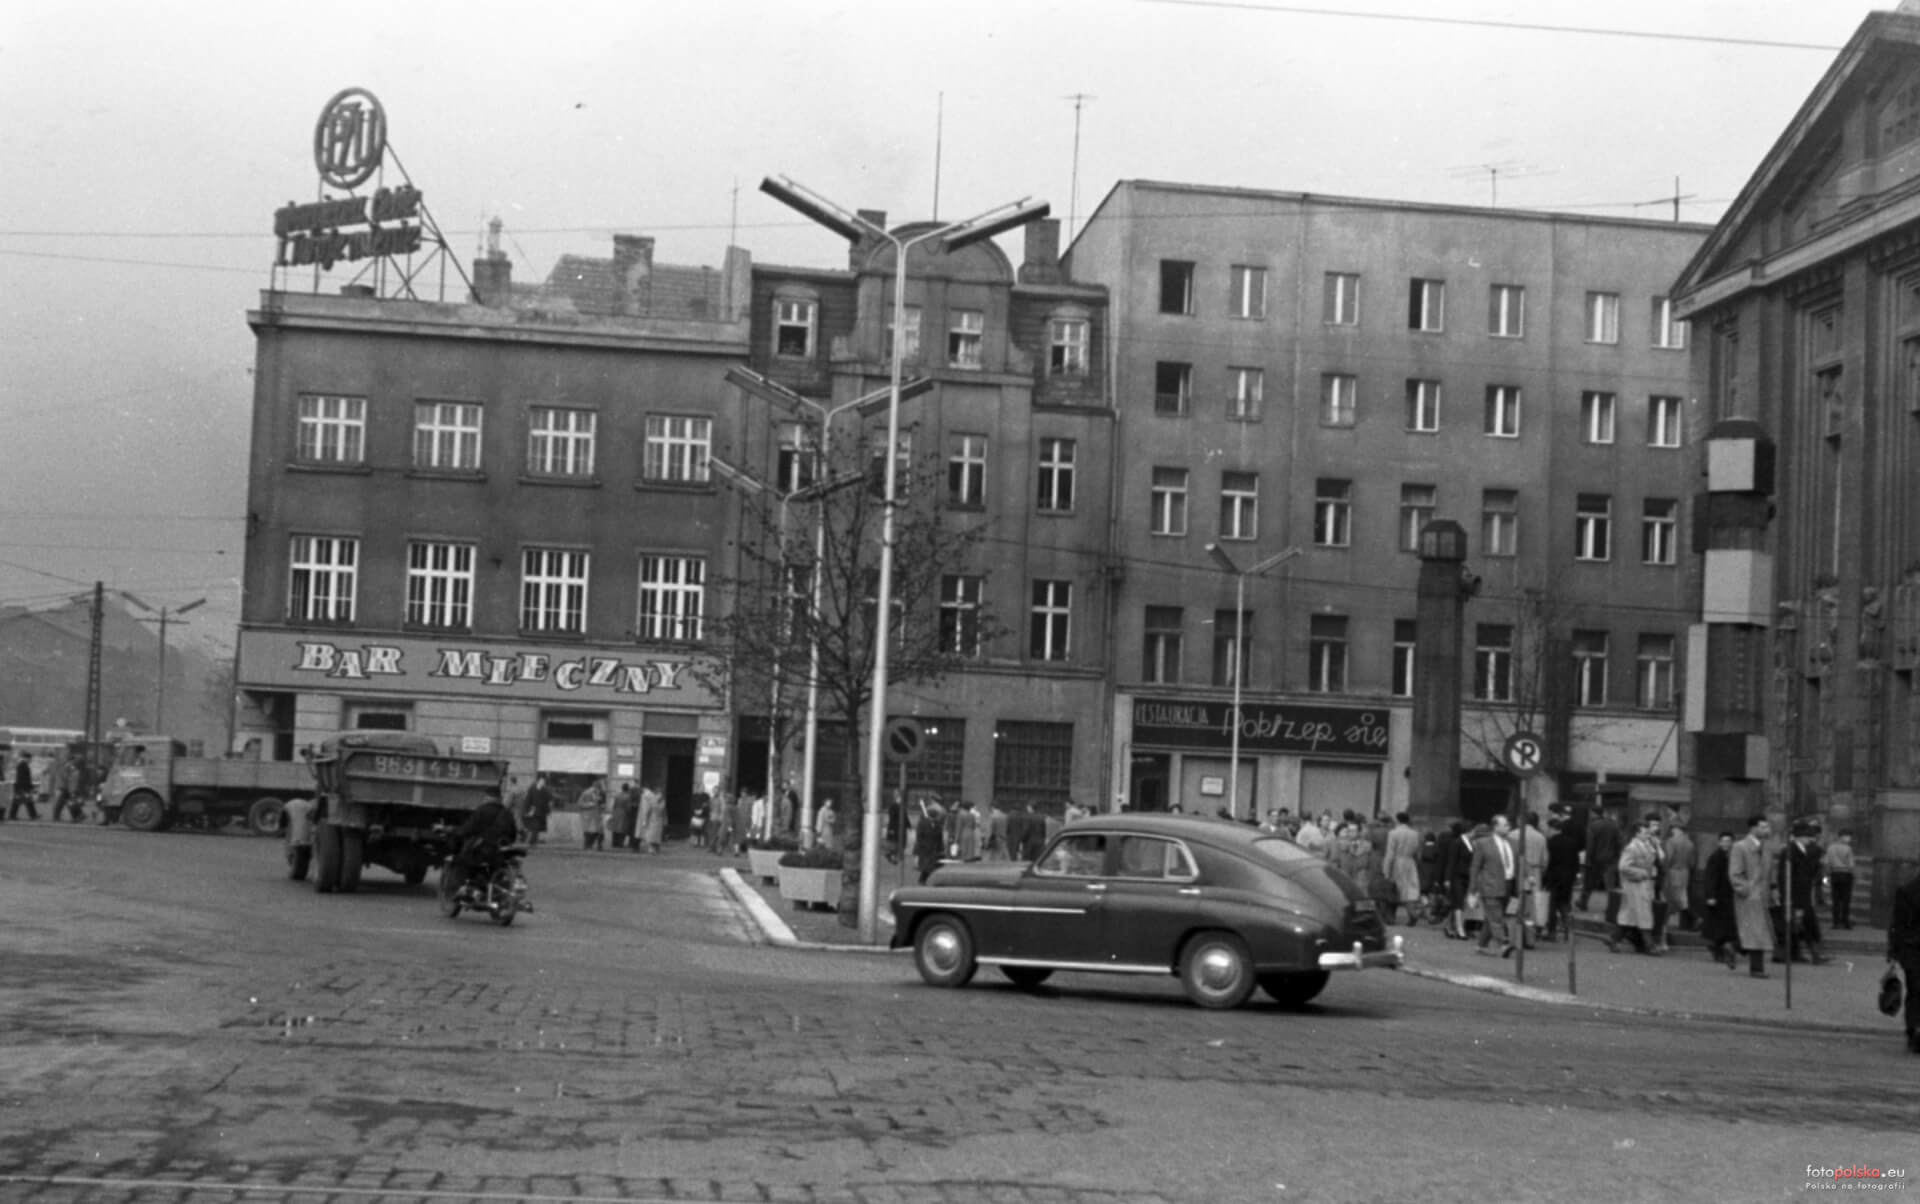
<point x="180" y="1022"/>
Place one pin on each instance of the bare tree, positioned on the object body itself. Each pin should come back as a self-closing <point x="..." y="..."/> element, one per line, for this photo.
<point x="763" y="642"/>
<point x="1526" y="687"/>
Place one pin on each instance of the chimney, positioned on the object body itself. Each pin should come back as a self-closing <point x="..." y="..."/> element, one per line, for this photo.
<point x="493" y="272"/>
<point x="633" y="271"/>
<point x="878" y="217"/>
<point x="1042" y="264"/>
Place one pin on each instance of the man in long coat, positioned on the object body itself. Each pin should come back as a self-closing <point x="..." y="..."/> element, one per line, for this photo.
<point x="1402" y="866"/>
<point x="1639" y="866"/>
<point x="1750" y="871"/>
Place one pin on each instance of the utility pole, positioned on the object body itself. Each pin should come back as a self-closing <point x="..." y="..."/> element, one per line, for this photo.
<point x="91" y="721"/>
<point x="165" y="616"/>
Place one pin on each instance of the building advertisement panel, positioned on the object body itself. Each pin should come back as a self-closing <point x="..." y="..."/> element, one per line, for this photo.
<point x="605" y="675"/>
<point x="1299" y="729"/>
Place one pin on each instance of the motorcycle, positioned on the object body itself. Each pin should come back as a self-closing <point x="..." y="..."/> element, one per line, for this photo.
<point x="497" y="888"/>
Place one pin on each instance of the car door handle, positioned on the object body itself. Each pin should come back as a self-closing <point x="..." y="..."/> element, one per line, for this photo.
<point x="1189" y="890"/>
<point x="1098" y="888"/>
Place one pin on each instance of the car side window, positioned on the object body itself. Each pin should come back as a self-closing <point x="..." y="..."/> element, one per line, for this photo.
<point x="1082" y="855"/>
<point x="1147" y="857"/>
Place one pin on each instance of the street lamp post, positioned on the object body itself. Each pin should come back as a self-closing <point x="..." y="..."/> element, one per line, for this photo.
<point x="855" y="228"/>
<point x="1226" y="562"/>
<point x="165" y="616"/>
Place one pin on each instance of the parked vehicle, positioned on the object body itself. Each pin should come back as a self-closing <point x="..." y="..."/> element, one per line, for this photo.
<point x="498" y="888"/>
<point x="154" y="784"/>
<point x="385" y="798"/>
<point x="1222" y="906"/>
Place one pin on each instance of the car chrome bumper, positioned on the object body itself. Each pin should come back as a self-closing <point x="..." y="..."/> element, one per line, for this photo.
<point x="1390" y="958"/>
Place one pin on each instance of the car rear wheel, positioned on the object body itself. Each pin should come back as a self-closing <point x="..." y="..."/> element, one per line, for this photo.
<point x="1293" y="990"/>
<point x="943" y="952"/>
<point x="1216" y="971"/>
<point x="1026" y="977"/>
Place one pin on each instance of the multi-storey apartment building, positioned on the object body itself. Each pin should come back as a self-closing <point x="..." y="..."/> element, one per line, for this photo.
<point x="1329" y="375"/>
<point x="489" y="521"/>
<point x="1807" y="301"/>
<point x="1018" y="419"/>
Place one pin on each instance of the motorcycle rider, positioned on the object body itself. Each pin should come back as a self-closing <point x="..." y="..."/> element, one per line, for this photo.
<point x="478" y="842"/>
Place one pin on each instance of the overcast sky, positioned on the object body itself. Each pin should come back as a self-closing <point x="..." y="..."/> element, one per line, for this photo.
<point x="146" y="145"/>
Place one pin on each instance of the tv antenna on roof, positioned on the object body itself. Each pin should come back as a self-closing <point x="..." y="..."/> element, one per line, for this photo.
<point x="1079" y="100"/>
<point x="1513" y="169"/>
<point x="1673" y="200"/>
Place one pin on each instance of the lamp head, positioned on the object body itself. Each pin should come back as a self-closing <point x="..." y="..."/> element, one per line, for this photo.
<point x="1000" y="221"/>
<point x="817" y="208"/>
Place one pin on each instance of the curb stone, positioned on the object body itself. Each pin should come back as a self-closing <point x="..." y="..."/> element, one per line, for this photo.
<point x="772" y="928"/>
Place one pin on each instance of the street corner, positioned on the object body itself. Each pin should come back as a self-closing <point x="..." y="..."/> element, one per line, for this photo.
<point x="809" y="928"/>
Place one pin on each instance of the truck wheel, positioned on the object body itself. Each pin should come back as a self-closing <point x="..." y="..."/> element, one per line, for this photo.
<point x="298" y="858"/>
<point x="326" y="855"/>
<point x="266" y="817"/>
<point x="353" y="848"/>
<point x="144" y="812"/>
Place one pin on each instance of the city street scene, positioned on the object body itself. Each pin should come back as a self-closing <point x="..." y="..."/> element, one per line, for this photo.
<point x="1094" y="601"/>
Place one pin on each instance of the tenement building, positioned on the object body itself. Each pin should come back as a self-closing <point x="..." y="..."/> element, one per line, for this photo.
<point x="489" y="520"/>
<point x="1303" y="383"/>
<point x="1806" y="300"/>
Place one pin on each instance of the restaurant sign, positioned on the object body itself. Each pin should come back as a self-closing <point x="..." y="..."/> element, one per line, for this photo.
<point x="610" y="675"/>
<point x="1305" y="730"/>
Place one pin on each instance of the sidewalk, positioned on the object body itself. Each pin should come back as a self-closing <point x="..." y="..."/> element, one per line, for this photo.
<point x="1685" y="984"/>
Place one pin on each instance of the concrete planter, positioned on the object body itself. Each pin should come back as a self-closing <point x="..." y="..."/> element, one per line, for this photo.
<point x="802" y="886"/>
<point x="764" y="864"/>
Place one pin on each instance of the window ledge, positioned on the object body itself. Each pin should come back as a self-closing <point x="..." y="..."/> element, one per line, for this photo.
<point x="448" y="474"/>
<point x="330" y="466"/>
<point x="702" y="487"/>
<point x="533" y="478"/>
<point x="568" y="637"/>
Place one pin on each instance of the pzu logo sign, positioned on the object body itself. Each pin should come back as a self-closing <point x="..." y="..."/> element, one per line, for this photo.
<point x="350" y="138"/>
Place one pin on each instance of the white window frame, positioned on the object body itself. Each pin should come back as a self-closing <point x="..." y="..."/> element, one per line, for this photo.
<point x="1161" y="645"/>
<point x="1423" y="406"/>
<point x="1340" y="299"/>
<point x="1248" y="395"/>
<point x="1493" y="662"/>
<point x="1406" y="644"/>
<point x="553" y="589"/>
<point x="1327" y="654"/>
<point x="1507" y="311"/>
<point x="966" y="470"/>
<point x="966" y="339"/>
<point x="446" y="435"/>
<point x="676" y="449"/>
<point x="332" y="430"/>
<point x="1180" y="272"/>
<point x="910" y="353"/>
<point x="1660" y="531"/>
<point x="1167" y="503"/>
<point x="1503" y="412"/>
<point x="1055" y="475"/>
<point x="1427" y="305"/>
<point x="1239" y="505"/>
<point x="1653" y="672"/>
<point x="1663" y="420"/>
<point x="1419" y="503"/>
<point x="1593" y="527"/>
<point x="323" y="576"/>
<point x="1332" y="513"/>
<point x="790" y="315"/>
<point x="1067" y="346"/>
<point x="960" y="595"/>
<point x="439" y="584"/>
<point x="1598" y="409"/>
<point x="560" y="441"/>
<point x="1669" y="333"/>
<point x="1232" y="647"/>
<point x="1181" y="397"/>
<point x="673" y="592"/>
<point x="1339" y="399"/>
<point x="1499" y="523"/>
<point x="1248" y="288"/>
<point x="1603" y="318"/>
<point x="1589" y="668"/>
<point x="796" y="458"/>
<point x="1050" y="621"/>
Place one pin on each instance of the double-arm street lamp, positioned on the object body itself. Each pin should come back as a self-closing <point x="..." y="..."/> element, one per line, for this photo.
<point x="1240" y="658"/>
<point x="867" y="405"/>
<point x="856" y="229"/>
<point x="165" y="616"/>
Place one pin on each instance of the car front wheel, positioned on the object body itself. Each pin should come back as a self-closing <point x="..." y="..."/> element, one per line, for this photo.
<point x="1294" y="990"/>
<point x="943" y="952"/>
<point x="1216" y="970"/>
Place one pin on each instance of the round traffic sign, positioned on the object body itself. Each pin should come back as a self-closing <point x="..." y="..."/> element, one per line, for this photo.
<point x="904" y="738"/>
<point x="1524" y="753"/>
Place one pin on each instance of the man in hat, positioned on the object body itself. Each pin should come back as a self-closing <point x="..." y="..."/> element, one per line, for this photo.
<point x="1798" y="872"/>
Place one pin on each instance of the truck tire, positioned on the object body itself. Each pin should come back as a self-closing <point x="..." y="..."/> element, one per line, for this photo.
<point x="326" y="858"/>
<point x="266" y="817"/>
<point x="299" y="857"/>
<point x="353" y="849"/>
<point x="143" y="811"/>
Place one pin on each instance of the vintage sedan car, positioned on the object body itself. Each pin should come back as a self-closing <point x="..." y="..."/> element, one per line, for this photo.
<point x="1223" y="906"/>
